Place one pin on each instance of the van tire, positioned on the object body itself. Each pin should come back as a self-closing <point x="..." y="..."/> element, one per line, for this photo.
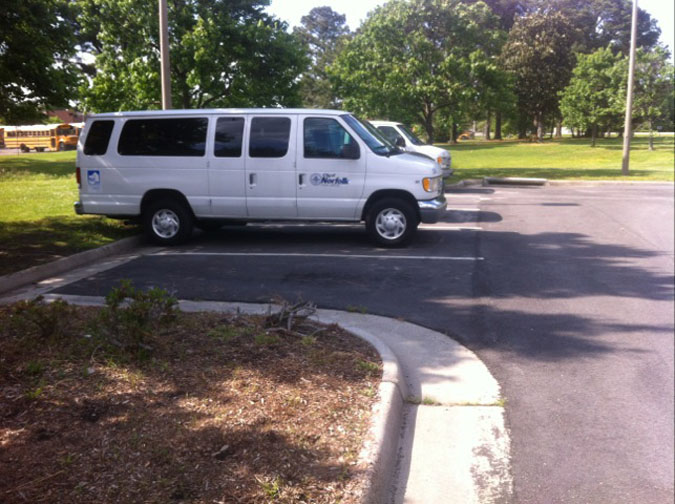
<point x="391" y="222"/>
<point x="168" y="222"/>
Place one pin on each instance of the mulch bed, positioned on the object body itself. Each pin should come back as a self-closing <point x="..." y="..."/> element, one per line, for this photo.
<point x="210" y="409"/>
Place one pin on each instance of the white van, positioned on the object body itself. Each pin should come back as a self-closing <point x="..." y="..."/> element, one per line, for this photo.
<point x="177" y="169"/>
<point x="402" y="136"/>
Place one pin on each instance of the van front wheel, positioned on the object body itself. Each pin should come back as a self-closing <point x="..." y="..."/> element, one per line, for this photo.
<point x="391" y="222"/>
<point x="168" y="222"/>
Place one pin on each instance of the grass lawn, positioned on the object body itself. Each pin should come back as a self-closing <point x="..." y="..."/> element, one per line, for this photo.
<point x="563" y="159"/>
<point x="38" y="223"/>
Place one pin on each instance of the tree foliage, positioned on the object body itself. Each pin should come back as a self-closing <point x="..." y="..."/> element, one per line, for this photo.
<point x="595" y="96"/>
<point x="654" y="88"/>
<point x="36" y="47"/>
<point x="222" y="53"/>
<point x="324" y="32"/>
<point x="538" y="54"/>
<point x="412" y="59"/>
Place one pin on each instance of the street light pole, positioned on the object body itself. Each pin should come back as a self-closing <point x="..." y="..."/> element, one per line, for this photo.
<point x="164" y="54"/>
<point x="627" y="129"/>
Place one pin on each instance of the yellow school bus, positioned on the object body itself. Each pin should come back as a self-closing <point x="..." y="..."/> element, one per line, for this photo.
<point x="55" y="137"/>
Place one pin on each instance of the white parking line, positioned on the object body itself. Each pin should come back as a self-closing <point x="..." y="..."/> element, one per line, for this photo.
<point x="463" y="209"/>
<point x="435" y="227"/>
<point x="293" y="254"/>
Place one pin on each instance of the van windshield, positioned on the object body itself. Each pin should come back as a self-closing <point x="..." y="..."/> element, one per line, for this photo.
<point x="410" y="135"/>
<point x="373" y="138"/>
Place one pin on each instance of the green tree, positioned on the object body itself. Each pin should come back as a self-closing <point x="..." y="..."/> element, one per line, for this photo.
<point x="37" y="44"/>
<point x="602" y="23"/>
<point x="413" y="59"/>
<point x="324" y="33"/>
<point x="538" y="54"/>
<point x="653" y="87"/>
<point x="595" y="97"/>
<point x="223" y="53"/>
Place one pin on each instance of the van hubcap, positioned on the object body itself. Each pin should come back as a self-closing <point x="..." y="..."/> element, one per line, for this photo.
<point x="390" y="223"/>
<point x="165" y="223"/>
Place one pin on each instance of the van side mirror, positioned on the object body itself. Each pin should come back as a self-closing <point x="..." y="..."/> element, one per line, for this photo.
<point x="400" y="142"/>
<point x="351" y="151"/>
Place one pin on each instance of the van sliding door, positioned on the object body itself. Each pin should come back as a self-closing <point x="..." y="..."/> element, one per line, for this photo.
<point x="270" y="167"/>
<point x="227" y="173"/>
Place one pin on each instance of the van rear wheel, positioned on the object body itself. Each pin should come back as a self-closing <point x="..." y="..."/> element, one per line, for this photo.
<point x="391" y="222"/>
<point x="168" y="222"/>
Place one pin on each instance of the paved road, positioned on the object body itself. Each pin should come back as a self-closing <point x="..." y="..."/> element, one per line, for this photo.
<point x="566" y="292"/>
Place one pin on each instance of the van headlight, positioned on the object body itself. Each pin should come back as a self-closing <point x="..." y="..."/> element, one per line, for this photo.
<point x="431" y="184"/>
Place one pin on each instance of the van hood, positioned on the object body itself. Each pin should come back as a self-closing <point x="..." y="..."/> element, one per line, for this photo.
<point x="432" y="151"/>
<point x="415" y="162"/>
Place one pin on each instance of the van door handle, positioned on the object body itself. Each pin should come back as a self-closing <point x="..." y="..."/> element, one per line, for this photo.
<point x="252" y="179"/>
<point x="301" y="180"/>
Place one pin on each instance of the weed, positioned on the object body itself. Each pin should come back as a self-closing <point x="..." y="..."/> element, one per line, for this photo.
<point x="68" y="459"/>
<point x="430" y="401"/>
<point x="308" y="340"/>
<point x="369" y="391"/>
<point x="367" y="367"/>
<point x="426" y="401"/>
<point x="271" y="488"/>
<point x="266" y="339"/>
<point x="35" y="368"/>
<point x="223" y="333"/>
<point x="357" y="309"/>
<point x="34" y="394"/>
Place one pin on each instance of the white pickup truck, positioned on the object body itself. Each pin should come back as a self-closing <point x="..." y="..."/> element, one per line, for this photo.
<point x="402" y="136"/>
<point x="177" y="169"/>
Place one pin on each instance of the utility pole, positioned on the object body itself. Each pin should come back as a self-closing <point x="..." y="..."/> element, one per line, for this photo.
<point x="164" y="54"/>
<point x="627" y="129"/>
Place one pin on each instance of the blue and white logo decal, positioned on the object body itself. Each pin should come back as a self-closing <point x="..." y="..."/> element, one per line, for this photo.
<point x="94" y="180"/>
<point x="327" y="179"/>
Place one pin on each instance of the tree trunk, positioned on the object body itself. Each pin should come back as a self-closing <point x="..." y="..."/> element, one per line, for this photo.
<point x="651" y="136"/>
<point x="498" y="125"/>
<point x="540" y="128"/>
<point x="486" y="130"/>
<point x="558" y="129"/>
<point x="455" y="132"/>
<point x="429" y="126"/>
<point x="594" y="134"/>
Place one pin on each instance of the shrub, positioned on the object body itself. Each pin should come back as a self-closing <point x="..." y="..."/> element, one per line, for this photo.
<point x="131" y="315"/>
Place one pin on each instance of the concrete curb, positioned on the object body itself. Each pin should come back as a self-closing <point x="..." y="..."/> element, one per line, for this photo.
<point x="484" y="181"/>
<point x="37" y="273"/>
<point x="514" y="181"/>
<point x="380" y="452"/>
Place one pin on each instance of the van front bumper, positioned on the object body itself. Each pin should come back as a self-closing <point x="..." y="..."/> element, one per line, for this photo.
<point x="432" y="210"/>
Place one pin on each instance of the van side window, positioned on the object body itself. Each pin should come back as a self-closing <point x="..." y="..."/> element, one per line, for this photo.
<point x="327" y="139"/>
<point x="269" y="137"/>
<point x="229" y="132"/>
<point x="164" y="137"/>
<point x="390" y="134"/>
<point x="98" y="138"/>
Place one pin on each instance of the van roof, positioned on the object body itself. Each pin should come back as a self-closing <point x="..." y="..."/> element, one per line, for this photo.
<point x="192" y="112"/>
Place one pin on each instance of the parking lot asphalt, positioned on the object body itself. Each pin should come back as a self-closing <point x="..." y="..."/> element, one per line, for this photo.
<point x="566" y="293"/>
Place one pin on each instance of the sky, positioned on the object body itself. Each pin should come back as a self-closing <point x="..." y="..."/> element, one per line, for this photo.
<point x="356" y="11"/>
